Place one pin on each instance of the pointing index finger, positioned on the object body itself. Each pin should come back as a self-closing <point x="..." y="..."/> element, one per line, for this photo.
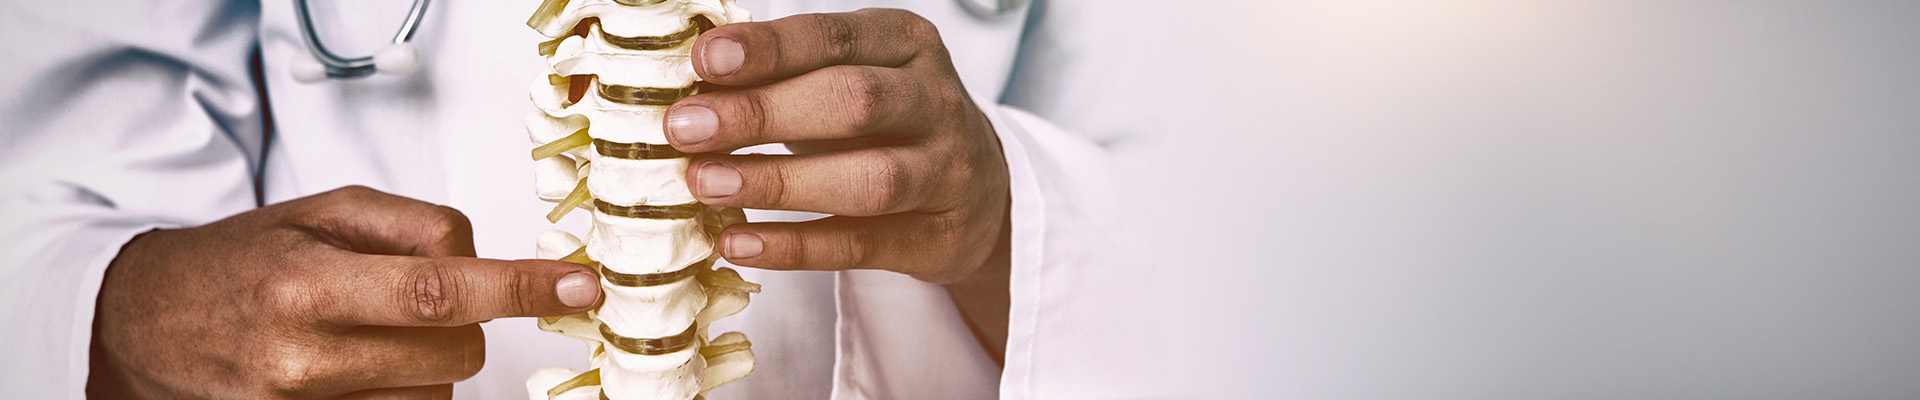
<point x="455" y="291"/>
<point x="746" y="53"/>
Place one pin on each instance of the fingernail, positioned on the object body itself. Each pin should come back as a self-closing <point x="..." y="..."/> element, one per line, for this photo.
<point x="718" y="180"/>
<point x="744" y="245"/>
<point x="724" y="56"/>
<point x="577" y="289"/>
<point x="692" y="124"/>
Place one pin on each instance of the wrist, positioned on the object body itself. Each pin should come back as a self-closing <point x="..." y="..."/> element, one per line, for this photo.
<point x="984" y="299"/>
<point x="106" y="377"/>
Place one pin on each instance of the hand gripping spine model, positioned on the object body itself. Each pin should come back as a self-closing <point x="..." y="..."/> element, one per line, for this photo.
<point x="616" y="65"/>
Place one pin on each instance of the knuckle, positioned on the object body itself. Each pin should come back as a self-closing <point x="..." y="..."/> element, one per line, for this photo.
<point x="951" y="98"/>
<point x="753" y="107"/>
<point x="860" y="92"/>
<point x="884" y="184"/>
<point x="957" y="179"/>
<point x="823" y="250"/>
<point x="353" y="191"/>
<point x="351" y="194"/>
<point x="772" y="185"/>
<point x="355" y="194"/>
<point x="947" y="232"/>
<point x="451" y="222"/>
<point x="853" y="250"/>
<point x="525" y="288"/>
<point x="946" y="228"/>
<point x="840" y="37"/>
<point x="786" y="249"/>
<point x="292" y="372"/>
<point x="919" y="28"/>
<point x="290" y="298"/>
<point x="430" y="293"/>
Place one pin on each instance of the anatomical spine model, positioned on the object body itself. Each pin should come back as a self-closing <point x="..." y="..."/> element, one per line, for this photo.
<point x="616" y="65"/>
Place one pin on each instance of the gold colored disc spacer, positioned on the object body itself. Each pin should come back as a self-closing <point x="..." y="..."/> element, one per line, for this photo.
<point x="677" y="211"/>
<point x="647" y="280"/>
<point x="649" y="347"/>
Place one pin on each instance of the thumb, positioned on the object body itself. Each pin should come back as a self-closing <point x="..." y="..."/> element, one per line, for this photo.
<point x="455" y="291"/>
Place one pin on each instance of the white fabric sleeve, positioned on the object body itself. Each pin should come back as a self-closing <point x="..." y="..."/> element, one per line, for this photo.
<point x="1084" y="311"/>
<point x="1097" y="310"/>
<point x="119" y="117"/>
<point x="1030" y="219"/>
<point x="1090" y="316"/>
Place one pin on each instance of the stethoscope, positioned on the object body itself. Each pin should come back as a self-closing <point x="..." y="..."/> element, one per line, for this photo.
<point x="400" y="57"/>
<point x="395" y="59"/>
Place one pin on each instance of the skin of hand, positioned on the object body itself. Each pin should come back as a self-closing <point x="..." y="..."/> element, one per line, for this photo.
<point x="884" y="136"/>
<point x="351" y="293"/>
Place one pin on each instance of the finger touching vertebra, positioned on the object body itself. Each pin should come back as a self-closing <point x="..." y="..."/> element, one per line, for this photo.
<point x="751" y="52"/>
<point x="839" y="102"/>
<point x="863" y="182"/>
<point x="454" y="291"/>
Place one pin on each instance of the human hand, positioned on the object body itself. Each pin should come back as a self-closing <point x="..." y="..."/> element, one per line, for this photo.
<point x="351" y="293"/>
<point x="883" y="133"/>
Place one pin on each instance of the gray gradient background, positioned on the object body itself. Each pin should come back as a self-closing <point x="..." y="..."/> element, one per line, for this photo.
<point x="1522" y="199"/>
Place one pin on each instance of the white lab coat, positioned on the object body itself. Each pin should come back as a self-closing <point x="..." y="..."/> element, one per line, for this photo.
<point x="146" y="115"/>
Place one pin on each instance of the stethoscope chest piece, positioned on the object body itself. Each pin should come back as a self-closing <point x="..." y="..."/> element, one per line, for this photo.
<point x="992" y="8"/>
<point x="397" y="58"/>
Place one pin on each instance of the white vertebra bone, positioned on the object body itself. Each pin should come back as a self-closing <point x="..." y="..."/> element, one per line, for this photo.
<point x="648" y="339"/>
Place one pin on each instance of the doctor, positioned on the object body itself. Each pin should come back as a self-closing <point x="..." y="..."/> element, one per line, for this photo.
<point x="185" y="220"/>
